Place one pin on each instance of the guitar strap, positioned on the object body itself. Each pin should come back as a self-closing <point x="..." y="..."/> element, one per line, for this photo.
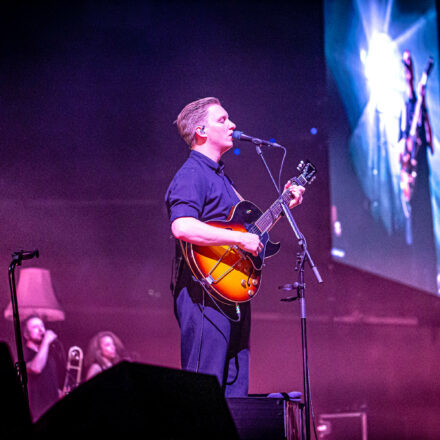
<point x="237" y="193"/>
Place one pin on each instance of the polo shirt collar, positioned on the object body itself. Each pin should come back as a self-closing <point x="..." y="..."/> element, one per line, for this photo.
<point x="217" y="167"/>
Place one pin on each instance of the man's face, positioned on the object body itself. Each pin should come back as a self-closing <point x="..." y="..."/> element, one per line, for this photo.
<point x="219" y="127"/>
<point x="35" y="330"/>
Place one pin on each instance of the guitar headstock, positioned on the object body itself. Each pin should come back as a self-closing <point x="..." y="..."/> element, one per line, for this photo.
<point x="407" y="63"/>
<point x="308" y="173"/>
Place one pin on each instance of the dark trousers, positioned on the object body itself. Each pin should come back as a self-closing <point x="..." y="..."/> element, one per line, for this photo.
<point x="210" y="342"/>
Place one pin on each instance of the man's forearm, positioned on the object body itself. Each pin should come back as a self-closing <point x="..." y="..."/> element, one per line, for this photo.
<point x="196" y="232"/>
<point x="39" y="361"/>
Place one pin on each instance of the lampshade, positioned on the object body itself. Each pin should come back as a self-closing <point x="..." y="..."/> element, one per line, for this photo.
<point x="35" y="295"/>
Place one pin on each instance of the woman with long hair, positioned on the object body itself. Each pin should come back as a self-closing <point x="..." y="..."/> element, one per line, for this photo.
<point x="105" y="350"/>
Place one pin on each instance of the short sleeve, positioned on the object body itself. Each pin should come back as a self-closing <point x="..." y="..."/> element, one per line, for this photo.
<point x="28" y="354"/>
<point x="93" y="370"/>
<point x="185" y="196"/>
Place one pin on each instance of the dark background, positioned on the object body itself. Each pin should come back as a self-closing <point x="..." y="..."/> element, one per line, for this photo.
<point x="89" y="93"/>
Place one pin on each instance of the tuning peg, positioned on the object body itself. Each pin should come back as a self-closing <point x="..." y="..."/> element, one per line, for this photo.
<point x="300" y="166"/>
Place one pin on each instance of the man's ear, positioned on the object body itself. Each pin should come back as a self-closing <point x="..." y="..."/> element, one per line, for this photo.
<point x="200" y="133"/>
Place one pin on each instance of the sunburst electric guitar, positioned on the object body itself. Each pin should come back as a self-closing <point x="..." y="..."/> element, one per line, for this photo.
<point x="227" y="272"/>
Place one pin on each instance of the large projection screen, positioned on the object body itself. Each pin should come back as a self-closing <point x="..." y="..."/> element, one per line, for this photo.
<point x="385" y="173"/>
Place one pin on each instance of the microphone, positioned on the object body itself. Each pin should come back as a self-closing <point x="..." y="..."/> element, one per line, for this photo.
<point x="25" y="255"/>
<point x="239" y="135"/>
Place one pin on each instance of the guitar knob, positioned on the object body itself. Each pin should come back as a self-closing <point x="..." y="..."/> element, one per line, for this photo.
<point x="250" y="292"/>
<point x="243" y="283"/>
<point x="255" y="282"/>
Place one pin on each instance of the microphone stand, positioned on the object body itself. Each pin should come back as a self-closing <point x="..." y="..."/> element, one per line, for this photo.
<point x="17" y="258"/>
<point x="300" y="286"/>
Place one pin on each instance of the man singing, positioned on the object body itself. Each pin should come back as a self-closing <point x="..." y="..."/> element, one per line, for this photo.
<point x="45" y="366"/>
<point x="214" y="339"/>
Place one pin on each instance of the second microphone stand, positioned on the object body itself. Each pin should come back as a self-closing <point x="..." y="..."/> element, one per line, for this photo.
<point x="300" y="286"/>
<point x="17" y="258"/>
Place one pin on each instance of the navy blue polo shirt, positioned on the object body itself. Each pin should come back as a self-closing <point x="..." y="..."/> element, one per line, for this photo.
<point x="200" y="189"/>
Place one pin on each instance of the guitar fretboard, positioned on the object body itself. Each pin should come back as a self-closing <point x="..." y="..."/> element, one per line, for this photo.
<point x="268" y="219"/>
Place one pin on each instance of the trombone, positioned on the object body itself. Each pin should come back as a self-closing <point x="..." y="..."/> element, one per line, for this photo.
<point x="73" y="369"/>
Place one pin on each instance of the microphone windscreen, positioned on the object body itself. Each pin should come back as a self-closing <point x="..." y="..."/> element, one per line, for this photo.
<point x="236" y="134"/>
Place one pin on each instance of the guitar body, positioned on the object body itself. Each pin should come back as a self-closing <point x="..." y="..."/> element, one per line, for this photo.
<point x="227" y="272"/>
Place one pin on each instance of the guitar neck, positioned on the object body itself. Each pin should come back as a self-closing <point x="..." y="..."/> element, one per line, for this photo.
<point x="416" y="116"/>
<point x="417" y="110"/>
<point x="271" y="216"/>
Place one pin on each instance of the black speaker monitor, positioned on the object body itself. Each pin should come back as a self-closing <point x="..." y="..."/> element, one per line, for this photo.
<point x="158" y="402"/>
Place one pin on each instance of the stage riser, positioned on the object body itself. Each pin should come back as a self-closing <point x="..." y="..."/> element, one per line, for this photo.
<point x="263" y="418"/>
